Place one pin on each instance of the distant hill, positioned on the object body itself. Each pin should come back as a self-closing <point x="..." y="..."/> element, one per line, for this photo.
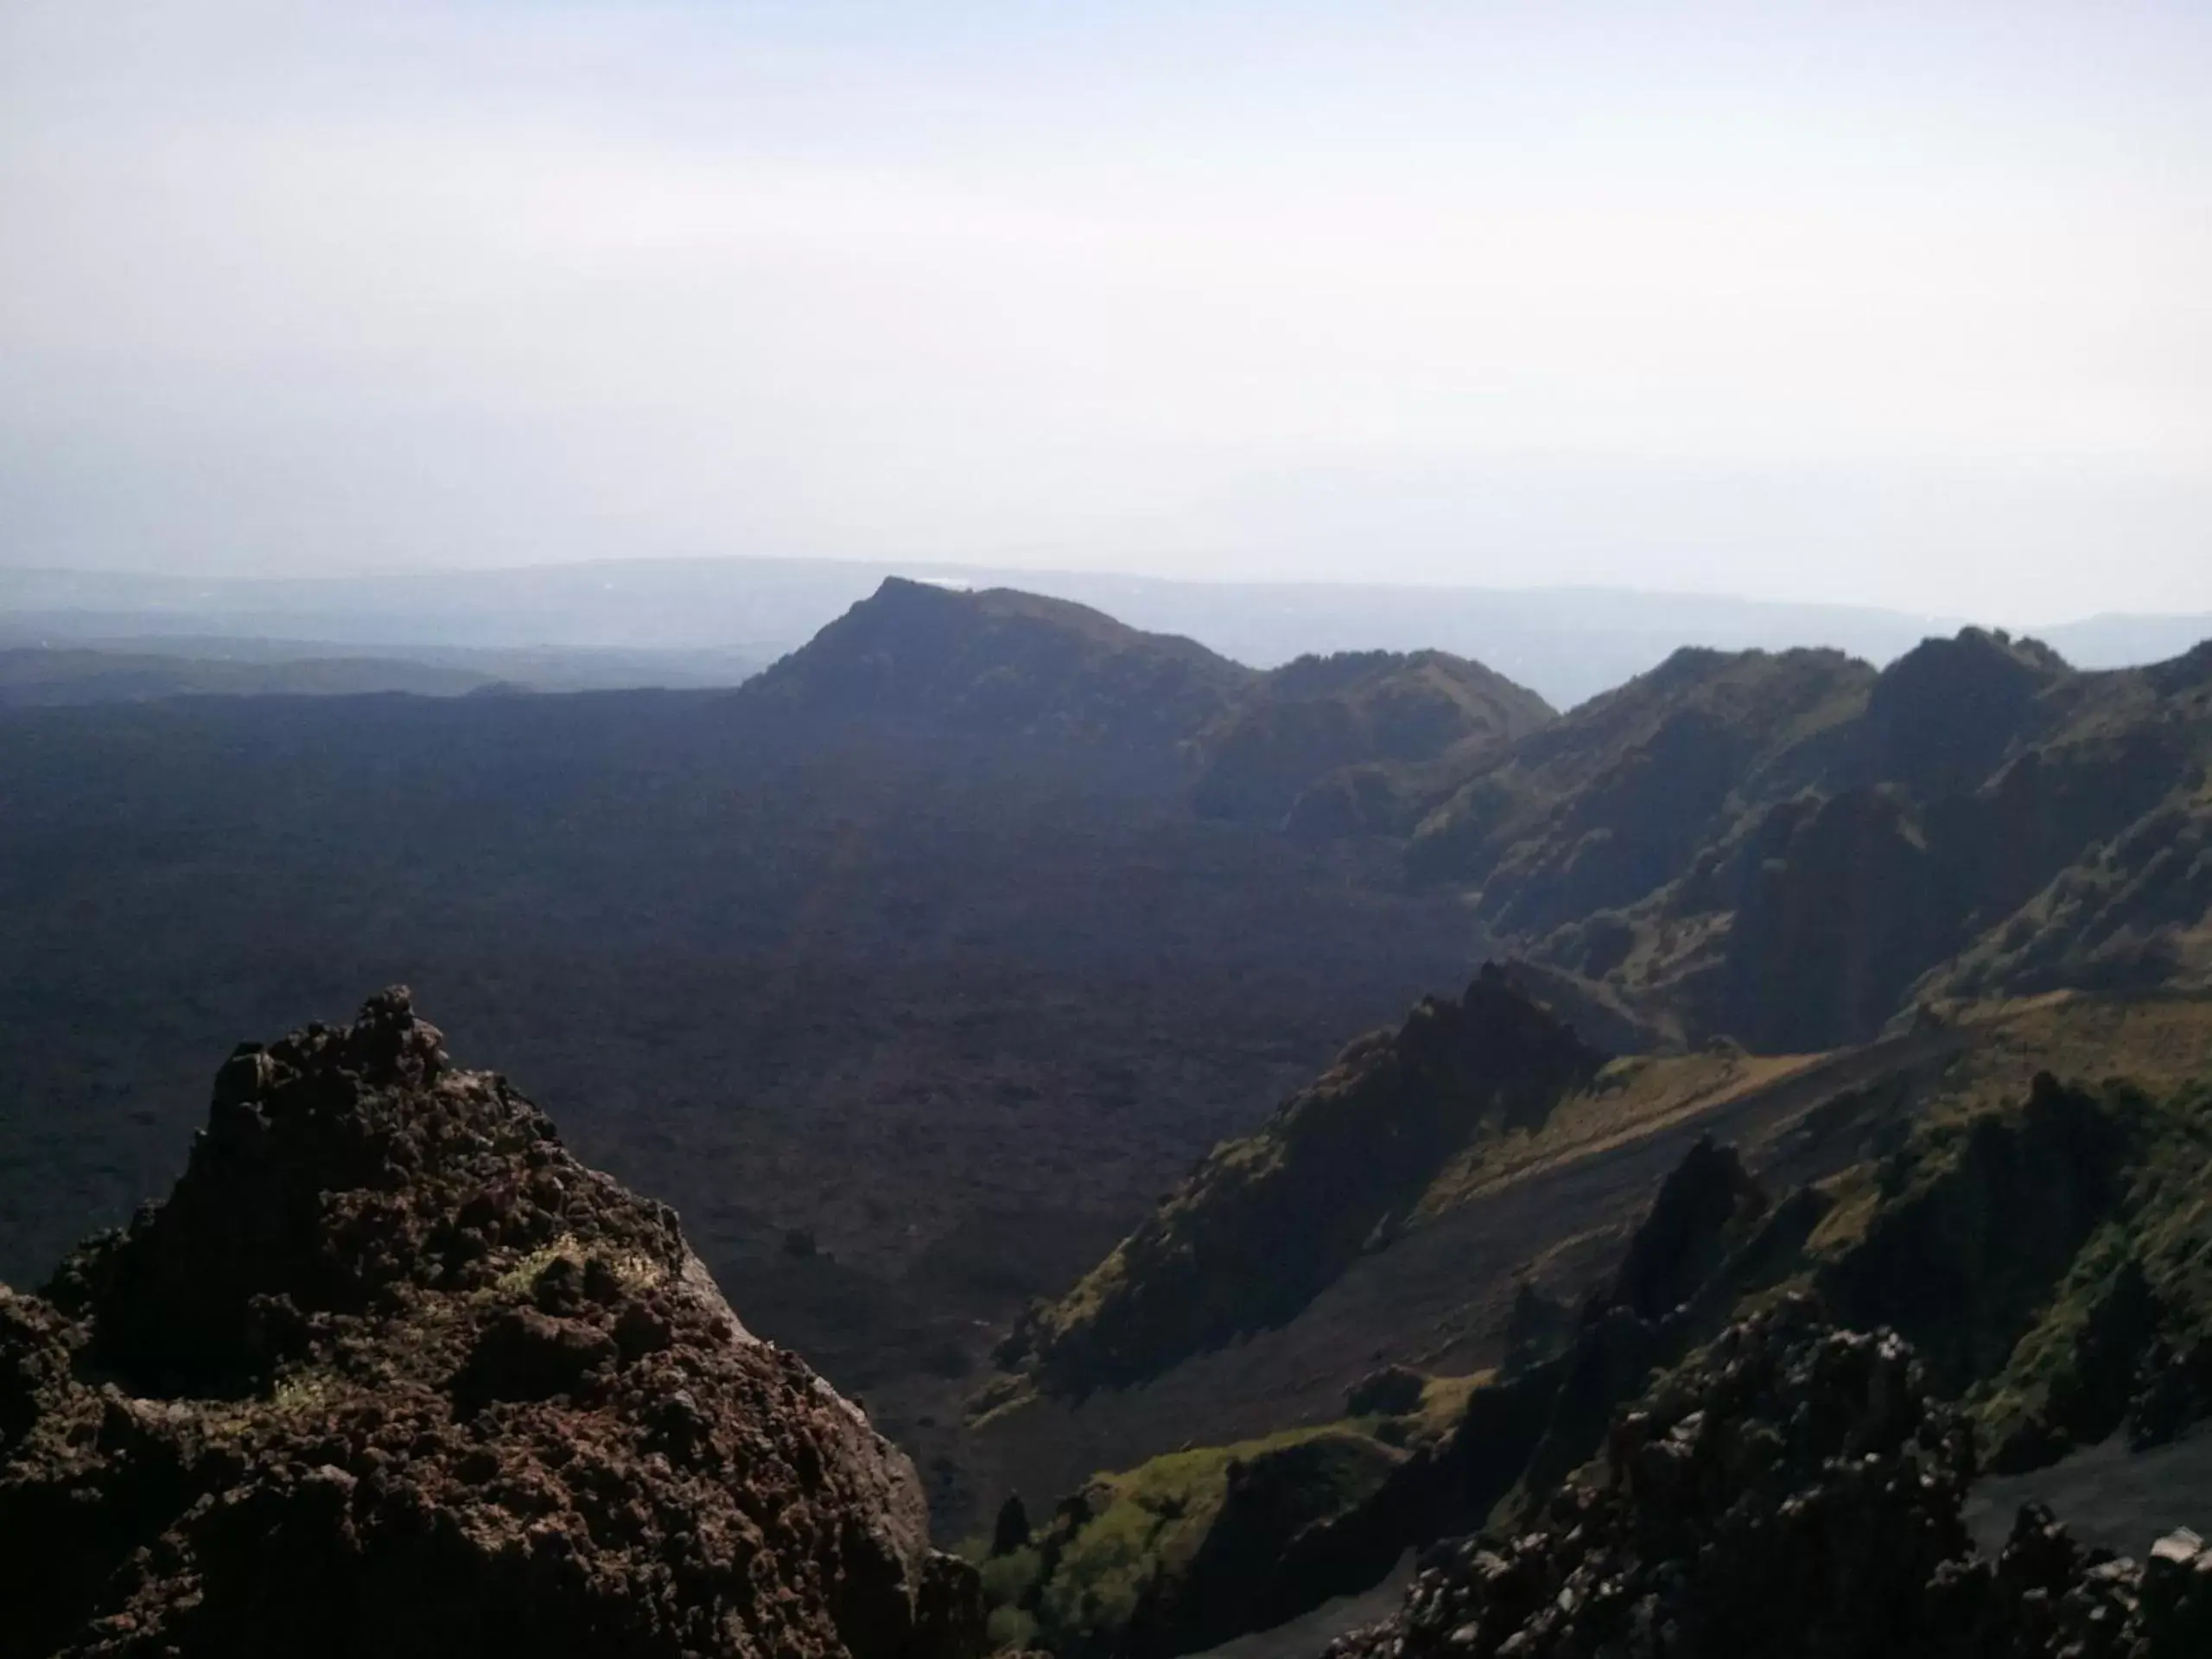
<point x="1790" y="849"/>
<point x="182" y="664"/>
<point x="1002" y="661"/>
<point x="1337" y="745"/>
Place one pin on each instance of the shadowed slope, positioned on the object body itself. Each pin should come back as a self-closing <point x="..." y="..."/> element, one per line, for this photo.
<point x="1265" y="1222"/>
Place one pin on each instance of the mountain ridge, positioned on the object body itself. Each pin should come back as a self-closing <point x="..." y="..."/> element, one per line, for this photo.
<point x="1568" y="644"/>
<point x="1794" y="850"/>
<point x="1673" y="847"/>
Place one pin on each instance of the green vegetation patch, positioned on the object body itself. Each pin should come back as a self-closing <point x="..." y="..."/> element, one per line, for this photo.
<point x="1157" y="1558"/>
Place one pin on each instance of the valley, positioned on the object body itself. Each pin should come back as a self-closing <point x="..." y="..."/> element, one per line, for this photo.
<point x="909" y="1024"/>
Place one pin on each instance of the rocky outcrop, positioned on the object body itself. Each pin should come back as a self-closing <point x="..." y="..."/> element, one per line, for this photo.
<point x="1797" y="1491"/>
<point x="2041" y="1257"/>
<point x="390" y="1373"/>
<point x="2045" y="1256"/>
<point x="1710" y="1236"/>
<point x="1674" y="1483"/>
<point x="1970" y="1247"/>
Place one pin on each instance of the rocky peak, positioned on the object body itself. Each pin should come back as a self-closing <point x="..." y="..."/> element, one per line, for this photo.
<point x="390" y="1372"/>
<point x="1706" y="1205"/>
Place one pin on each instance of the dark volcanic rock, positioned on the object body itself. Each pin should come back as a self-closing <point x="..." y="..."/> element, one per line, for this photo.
<point x="1387" y="1391"/>
<point x="390" y="1373"/>
<point x="1011" y="1530"/>
<point x="1288" y="1539"/>
<point x="1704" y="1208"/>
<point x="1797" y="1492"/>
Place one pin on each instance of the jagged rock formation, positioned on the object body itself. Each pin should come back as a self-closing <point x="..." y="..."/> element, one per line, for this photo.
<point x="2043" y="1257"/>
<point x="1342" y="744"/>
<point x="2040" y="1240"/>
<point x="1797" y="1491"/>
<point x="1264" y="1222"/>
<point x="2048" y="1258"/>
<point x="389" y="1373"/>
<point x="1709" y="1235"/>
<point x="1153" y="1562"/>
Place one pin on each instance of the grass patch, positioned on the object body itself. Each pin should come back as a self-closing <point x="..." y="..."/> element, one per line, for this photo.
<point x="1631" y="1097"/>
<point x="303" y="1394"/>
<point x="1130" y="1539"/>
<point x="634" y="1269"/>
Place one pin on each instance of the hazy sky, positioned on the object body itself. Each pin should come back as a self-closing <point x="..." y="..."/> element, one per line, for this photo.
<point x="1908" y="304"/>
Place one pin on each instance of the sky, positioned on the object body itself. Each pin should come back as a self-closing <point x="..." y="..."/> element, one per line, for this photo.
<point x="1893" y="304"/>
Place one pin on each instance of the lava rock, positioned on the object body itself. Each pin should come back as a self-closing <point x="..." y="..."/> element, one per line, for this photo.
<point x="1387" y="1391"/>
<point x="1796" y="1489"/>
<point x="390" y="1373"/>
